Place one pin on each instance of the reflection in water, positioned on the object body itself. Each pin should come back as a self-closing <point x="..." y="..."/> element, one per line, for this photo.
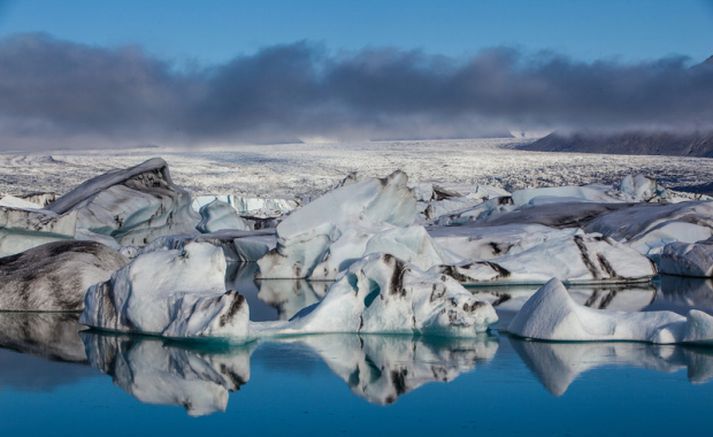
<point x="381" y="368"/>
<point x="289" y="296"/>
<point x="50" y="350"/>
<point x="681" y="294"/>
<point x="200" y="375"/>
<point x="508" y="300"/>
<point x="157" y="372"/>
<point x="273" y="299"/>
<point x="377" y="368"/>
<point x="557" y="365"/>
<point x="50" y="335"/>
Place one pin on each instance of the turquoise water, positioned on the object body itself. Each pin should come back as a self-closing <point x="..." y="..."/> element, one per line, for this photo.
<point x="55" y="380"/>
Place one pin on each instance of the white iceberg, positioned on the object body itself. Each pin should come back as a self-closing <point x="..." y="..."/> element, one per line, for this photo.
<point x="133" y="205"/>
<point x="22" y="229"/>
<point x="649" y="227"/>
<point x="181" y="293"/>
<point x="694" y="259"/>
<point x="552" y="314"/>
<point x="382" y="294"/>
<point x="55" y="276"/>
<point x="173" y="293"/>
<point x="569" y="255"/>
<point x="356" y="209"/>
<point x="217" y="216"/>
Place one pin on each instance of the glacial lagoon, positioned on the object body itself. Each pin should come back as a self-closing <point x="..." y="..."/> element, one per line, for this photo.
<point x="56" y="378"/>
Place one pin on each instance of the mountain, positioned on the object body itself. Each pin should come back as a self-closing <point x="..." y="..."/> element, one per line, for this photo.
<point x="699" y="143"/>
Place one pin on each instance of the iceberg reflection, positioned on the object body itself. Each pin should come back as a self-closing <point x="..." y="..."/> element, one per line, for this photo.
<point x="158" y="372"/>
<point x="558" y="365"/>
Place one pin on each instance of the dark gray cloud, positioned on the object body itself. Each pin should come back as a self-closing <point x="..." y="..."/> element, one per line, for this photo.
<point x="55" y="93"/>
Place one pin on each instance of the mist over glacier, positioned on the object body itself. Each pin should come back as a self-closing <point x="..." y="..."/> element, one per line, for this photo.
<point x="57" y="93"/>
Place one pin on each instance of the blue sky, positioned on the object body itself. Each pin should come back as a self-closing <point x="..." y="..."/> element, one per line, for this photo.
<point x="214" y="31"/>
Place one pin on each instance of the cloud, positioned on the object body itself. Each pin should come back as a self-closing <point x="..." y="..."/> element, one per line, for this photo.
<point x="56" y="93"/>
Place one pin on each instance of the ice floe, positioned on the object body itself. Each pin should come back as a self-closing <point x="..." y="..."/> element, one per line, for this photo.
<point x="552" y="314"/>
<point x="55" y="276"/>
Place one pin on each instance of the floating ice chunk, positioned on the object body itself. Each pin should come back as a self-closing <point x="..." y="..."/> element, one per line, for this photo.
<point x="173" y="293"/>
<point x="218" y="215"/>
<point x="570" y="256"/>
<point x="382" y="294"/>
<point x="411" y="244"/>
<point x="133" y="205"/>
<point x="552" y="314"/>
<point x="55" y="276"/>
<point x="695" y="259"/>
<point x="368" y="207"/>
<point x="181" y="294"/>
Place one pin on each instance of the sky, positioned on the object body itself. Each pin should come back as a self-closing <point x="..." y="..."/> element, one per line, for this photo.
<point x="127" y="72"/>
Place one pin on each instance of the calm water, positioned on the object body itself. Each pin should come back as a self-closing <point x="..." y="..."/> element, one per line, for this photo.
<point x="55" y="380"/>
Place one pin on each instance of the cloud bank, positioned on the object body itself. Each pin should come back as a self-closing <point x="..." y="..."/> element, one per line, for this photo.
<point x="55" y="93"/>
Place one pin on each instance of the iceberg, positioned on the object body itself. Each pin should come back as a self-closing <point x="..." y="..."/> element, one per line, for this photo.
<point x="217" y="216"/>
<point x="552" y="314"/>
<point x="181" y="294"/>
<point x="133" y="205"/>
<point x="22" y="229"/>
<point x="694" y="259"/>
<point x="382" y="294"/>
<point x="649" y="227"/>
<point x="55" y="276"/>
<point x="356" y="210"/>
<point x="569" y="255"/>
<point x="173" y="293"/>
<point x="238" y="246"/>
